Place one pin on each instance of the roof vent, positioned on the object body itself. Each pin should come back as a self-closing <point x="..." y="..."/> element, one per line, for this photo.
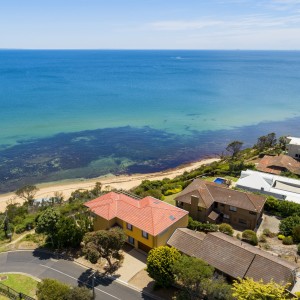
<point x="172" y="218"/>
<point x="156" y="202"/>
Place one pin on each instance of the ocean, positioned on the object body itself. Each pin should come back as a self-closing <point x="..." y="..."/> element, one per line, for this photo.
<point x="70" y="114"/>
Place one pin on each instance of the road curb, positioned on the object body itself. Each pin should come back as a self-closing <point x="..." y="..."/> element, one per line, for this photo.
<point x="66" y="257"/>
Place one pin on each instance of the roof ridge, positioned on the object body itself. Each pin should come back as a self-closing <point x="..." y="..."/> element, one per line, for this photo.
<point x="250" y="198"/>
<point x="209" y="193"/>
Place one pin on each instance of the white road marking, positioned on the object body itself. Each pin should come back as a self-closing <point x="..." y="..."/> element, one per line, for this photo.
<point x="79" y="281"/>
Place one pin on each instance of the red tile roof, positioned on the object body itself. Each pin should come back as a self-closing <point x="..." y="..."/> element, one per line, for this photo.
<point x="276" y="163"/>
<point x="148" y="214"/>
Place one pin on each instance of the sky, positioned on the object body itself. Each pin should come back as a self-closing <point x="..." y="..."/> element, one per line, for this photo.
<point x="150" y="24"/>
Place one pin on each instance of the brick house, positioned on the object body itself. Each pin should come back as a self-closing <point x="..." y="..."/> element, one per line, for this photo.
<point x="208" y="201"/>
<point x="232" y="257"/>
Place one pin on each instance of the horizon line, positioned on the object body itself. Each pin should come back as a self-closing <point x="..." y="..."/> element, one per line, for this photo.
<point x="137" y="49"/>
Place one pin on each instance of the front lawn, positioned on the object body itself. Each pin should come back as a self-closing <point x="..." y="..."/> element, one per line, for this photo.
<point x="21" y="283"/>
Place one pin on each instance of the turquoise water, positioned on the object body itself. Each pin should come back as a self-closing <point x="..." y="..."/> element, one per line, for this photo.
<point x="127" y="111"/>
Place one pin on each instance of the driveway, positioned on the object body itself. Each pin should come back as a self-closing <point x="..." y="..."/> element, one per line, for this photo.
<point x="134" y="262"/>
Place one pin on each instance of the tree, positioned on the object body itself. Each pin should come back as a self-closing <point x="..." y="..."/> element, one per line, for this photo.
<point x="27" y="193"/>
<point x="248" y="289"/>
<point x="51" y="289"/>
<point x="192" y="273"/>
<point x="218" y="289"/>
<point x="104" y="243"/>
<point x="234" y="148"/>
<point x="46" y="223"/>
<point x="68" y="233"/>
<point x="287" y="225"/>
<point x="266" y="141"/>
<point x="80" y="293"/>
<point x="97" y="190"/>
<point x="282" y="142"/>
<point x="160" y="263"/>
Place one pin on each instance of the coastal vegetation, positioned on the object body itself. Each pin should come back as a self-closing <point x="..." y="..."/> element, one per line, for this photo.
<point x="230" y="166"/>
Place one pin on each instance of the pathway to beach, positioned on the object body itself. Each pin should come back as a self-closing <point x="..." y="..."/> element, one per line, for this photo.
<point x="125" y="182"/>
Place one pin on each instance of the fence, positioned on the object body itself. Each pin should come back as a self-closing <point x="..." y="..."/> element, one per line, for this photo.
<point x="12" y="294"/>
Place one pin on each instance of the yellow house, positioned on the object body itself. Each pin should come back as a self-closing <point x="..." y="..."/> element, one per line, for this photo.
<point x="147" y="222"/>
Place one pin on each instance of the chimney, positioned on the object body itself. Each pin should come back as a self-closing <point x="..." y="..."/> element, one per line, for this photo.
<point x="194" y="206"/>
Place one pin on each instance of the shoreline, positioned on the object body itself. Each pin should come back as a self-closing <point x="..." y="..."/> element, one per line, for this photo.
<point x="125" y="182"/>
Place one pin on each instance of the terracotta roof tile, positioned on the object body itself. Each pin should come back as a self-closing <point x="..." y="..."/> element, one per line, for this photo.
<point x="274" y="164"/>
<point x="148" y="214"/>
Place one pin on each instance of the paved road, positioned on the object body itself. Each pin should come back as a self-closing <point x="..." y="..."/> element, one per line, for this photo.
<point x="44" y="265"/>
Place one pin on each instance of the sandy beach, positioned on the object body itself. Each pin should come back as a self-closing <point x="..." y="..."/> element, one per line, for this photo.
<point x="124" y="182"/>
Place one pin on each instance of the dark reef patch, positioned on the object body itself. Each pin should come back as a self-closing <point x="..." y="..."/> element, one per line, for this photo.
<point x="93" y="153"/>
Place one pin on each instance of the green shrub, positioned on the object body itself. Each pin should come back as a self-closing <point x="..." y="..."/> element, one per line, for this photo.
<point x="226" y="228"/>
<point x="250" y="237"/>
<point x="296" y="234"/>
<point x="280" y="236"/>
<point x="238" y="236"/>
<point x="287" y="225"/>
<point x="288" y="240"/>
<point x="263" y="238"/>
<point x="173" y="191"/>
<point x="20" y="228"/>
<point x="206" y="227"/>
<point x="267" y="232"/>
<point x="266" y="246"/>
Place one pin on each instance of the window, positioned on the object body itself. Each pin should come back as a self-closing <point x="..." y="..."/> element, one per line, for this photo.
<point x="297" y="155"/>
<point x="242" y="221"/>
<point x="129" y="226"/>
<point x="252" y="213"/>
<point x="226" y="216"/>
<point x="130" y="240"/>
<point x="180" y="203"/>
<point x="232" y="208"/>
<point x="145" y="234"/>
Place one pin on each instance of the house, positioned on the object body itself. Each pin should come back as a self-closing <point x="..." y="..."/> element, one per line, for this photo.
<point x="147" y="222"/>
<point x="293" y="147"/>
<point x="275" y="164"/>
<point x="283" y="188"/>
<point x="232" y="257"/>
<point x="208" y="201"/>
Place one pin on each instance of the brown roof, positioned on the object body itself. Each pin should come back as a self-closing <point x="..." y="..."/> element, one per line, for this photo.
<point x="277" y="163"/>
<point x="209" y="192"/>
<point x="186" y="239"/>
<point x="213" y="215"/>
<point x="233" y="257"/>
<point x="197" y="188"/>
